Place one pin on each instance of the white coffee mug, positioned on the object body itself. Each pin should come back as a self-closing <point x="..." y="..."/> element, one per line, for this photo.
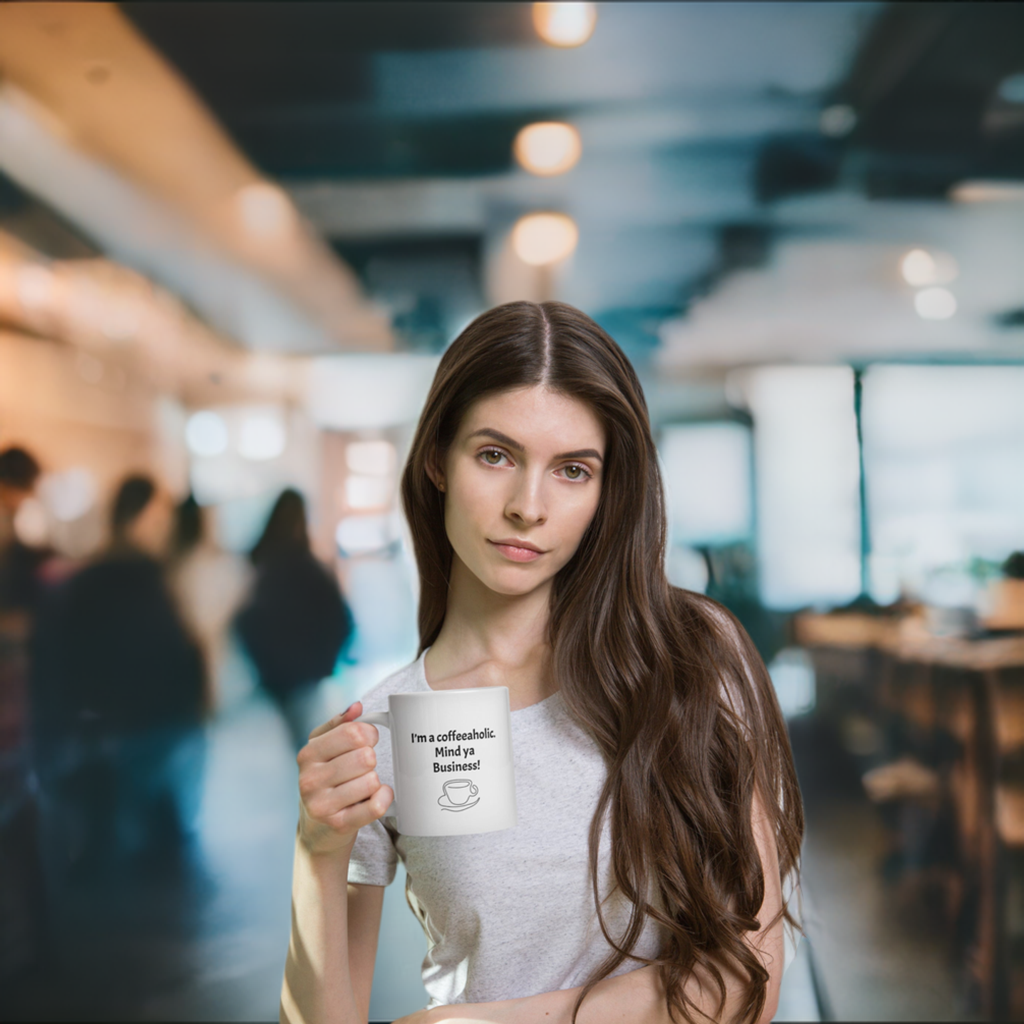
<point x="452" y="754"/>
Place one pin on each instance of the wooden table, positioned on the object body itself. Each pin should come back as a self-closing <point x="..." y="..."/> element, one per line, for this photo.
<point x="989" y="721"/>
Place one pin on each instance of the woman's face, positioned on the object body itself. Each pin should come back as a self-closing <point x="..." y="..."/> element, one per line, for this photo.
<point x="525" y="466"/>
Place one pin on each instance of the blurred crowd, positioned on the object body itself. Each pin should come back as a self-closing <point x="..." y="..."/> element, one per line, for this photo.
<point x="109" y="670"/>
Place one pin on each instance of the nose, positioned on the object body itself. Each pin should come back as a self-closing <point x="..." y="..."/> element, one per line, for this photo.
<point x="526" y="505"/>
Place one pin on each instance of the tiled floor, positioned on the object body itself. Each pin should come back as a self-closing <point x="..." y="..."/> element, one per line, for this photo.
<point x="207" y="942"/>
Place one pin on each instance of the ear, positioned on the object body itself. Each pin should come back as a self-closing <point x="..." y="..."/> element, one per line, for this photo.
<point x="434" y="472"/>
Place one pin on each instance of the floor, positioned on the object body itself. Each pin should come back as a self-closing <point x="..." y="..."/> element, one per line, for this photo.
<point x="206" y="940"/>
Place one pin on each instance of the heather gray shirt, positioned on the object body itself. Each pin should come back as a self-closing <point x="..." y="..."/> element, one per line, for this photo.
<point x="507" y="914"/>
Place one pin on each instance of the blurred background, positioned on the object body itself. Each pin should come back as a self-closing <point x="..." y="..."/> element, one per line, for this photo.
<point x="235" y="240"/>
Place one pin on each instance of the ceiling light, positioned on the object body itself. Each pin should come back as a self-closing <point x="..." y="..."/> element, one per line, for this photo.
<point x="564" y="24"/>
<point x="544" y="238"/>
<point x="547" y="147"/>
<point x="920" y="267"/>
<point x="987" y="192"/>
<point x="935" y="304"/>
<point x="264" y="209"/>
<point x="206" y="434"/>
<point x="838" y="120"/>
<point x="262" y="437"/>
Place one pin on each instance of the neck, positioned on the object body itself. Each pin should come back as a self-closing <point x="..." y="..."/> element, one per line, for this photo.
<point x="491" y="639"/>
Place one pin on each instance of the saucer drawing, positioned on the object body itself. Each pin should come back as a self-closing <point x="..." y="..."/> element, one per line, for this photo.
<point x="445" y="805"/>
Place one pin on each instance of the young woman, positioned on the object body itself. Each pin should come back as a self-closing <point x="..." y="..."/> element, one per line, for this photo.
<point x="659" y="814"/>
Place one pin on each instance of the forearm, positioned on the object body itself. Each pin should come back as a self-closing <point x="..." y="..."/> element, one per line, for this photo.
<point x="637" y="997"/>
<point x="317" y="985"/>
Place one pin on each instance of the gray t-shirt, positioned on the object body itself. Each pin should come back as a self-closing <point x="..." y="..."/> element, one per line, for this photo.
<point x="507" y="914"/>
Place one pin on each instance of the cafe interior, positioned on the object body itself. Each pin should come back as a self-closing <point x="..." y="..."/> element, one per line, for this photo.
<point x="235" y="240"/>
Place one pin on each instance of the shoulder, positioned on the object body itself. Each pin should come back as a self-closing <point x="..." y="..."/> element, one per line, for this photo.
<point x="407" y="679"/>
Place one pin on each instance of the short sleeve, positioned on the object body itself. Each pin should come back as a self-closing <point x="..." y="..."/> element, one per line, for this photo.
<point x="373" y="860"/>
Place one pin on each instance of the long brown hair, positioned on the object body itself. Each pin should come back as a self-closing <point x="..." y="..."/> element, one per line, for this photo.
<point x="647" y="669"/>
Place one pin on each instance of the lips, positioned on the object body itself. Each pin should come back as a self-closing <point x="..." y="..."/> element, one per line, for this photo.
<point x="517" y="550"/>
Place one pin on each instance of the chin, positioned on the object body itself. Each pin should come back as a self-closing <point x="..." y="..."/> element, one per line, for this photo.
<point x="512" y="584"/>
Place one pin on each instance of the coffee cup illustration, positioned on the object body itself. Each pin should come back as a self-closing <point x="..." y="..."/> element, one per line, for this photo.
<point x="459" y="795"/>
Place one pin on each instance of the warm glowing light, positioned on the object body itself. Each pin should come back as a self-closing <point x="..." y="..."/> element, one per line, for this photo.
<point x="987" y="192"/>
<point x="206" y="434"/>
<point x="547" y="147"/>
<point x="935" y="304"/>
<point x="920" y="268"/>
<point x="544" y="238"/>
<point x="264" y="209"/>
<point x="262" y="437"/>
<point x="564" y="24"/>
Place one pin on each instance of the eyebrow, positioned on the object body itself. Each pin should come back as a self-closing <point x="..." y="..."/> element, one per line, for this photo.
<point x="582" y="453"/>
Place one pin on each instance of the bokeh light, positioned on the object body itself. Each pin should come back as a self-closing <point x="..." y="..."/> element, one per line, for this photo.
<point x="566" y="24"/>
<point x="935" y="303"/>
<point x="541" y="239"/>
<point x="262" y="437"/>
<point x="206" y="434"/>
<point x="547" y="148"/>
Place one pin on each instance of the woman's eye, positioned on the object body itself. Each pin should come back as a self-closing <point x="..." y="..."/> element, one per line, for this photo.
<point x="576" y="472"/>
<point x="487" y="456"/>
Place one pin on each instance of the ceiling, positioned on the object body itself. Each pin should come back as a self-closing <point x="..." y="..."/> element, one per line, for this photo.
<point x="720" y="141"/>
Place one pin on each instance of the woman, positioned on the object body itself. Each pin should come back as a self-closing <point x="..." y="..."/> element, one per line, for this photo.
<point x="210" y="585"/>
<point x="296" y="621"/>
<point x="657" y="893"/>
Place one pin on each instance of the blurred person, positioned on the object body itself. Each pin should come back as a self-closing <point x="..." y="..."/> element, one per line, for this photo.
<point x="210" y="585"/>
<point x="296" y="621"/>
<point x="652" y="874"/>
<point x="19" y="562"/>
<point x="119" y="686"/>
<point x="21" y="889"/>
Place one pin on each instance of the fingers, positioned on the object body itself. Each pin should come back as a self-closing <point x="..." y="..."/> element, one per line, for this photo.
<point x="317" y="775"/>
<point x="339" y="740"/>
<point x="324" y="802"/>
<point x="355" y="816"/>
<point x="338" y="735"/>
<point x="337" y="781"/>
<point x="350" y="713"/>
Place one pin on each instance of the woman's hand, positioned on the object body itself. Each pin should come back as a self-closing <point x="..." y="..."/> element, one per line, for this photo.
<point x="338" y="788"/>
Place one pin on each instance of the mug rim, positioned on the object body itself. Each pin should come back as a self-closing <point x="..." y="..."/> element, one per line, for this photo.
<point x="440" y="693"/>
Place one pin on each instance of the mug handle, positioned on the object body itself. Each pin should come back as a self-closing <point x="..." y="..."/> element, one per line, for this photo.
<point x="473" y="790"/>
<point x="381" y="718"/>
